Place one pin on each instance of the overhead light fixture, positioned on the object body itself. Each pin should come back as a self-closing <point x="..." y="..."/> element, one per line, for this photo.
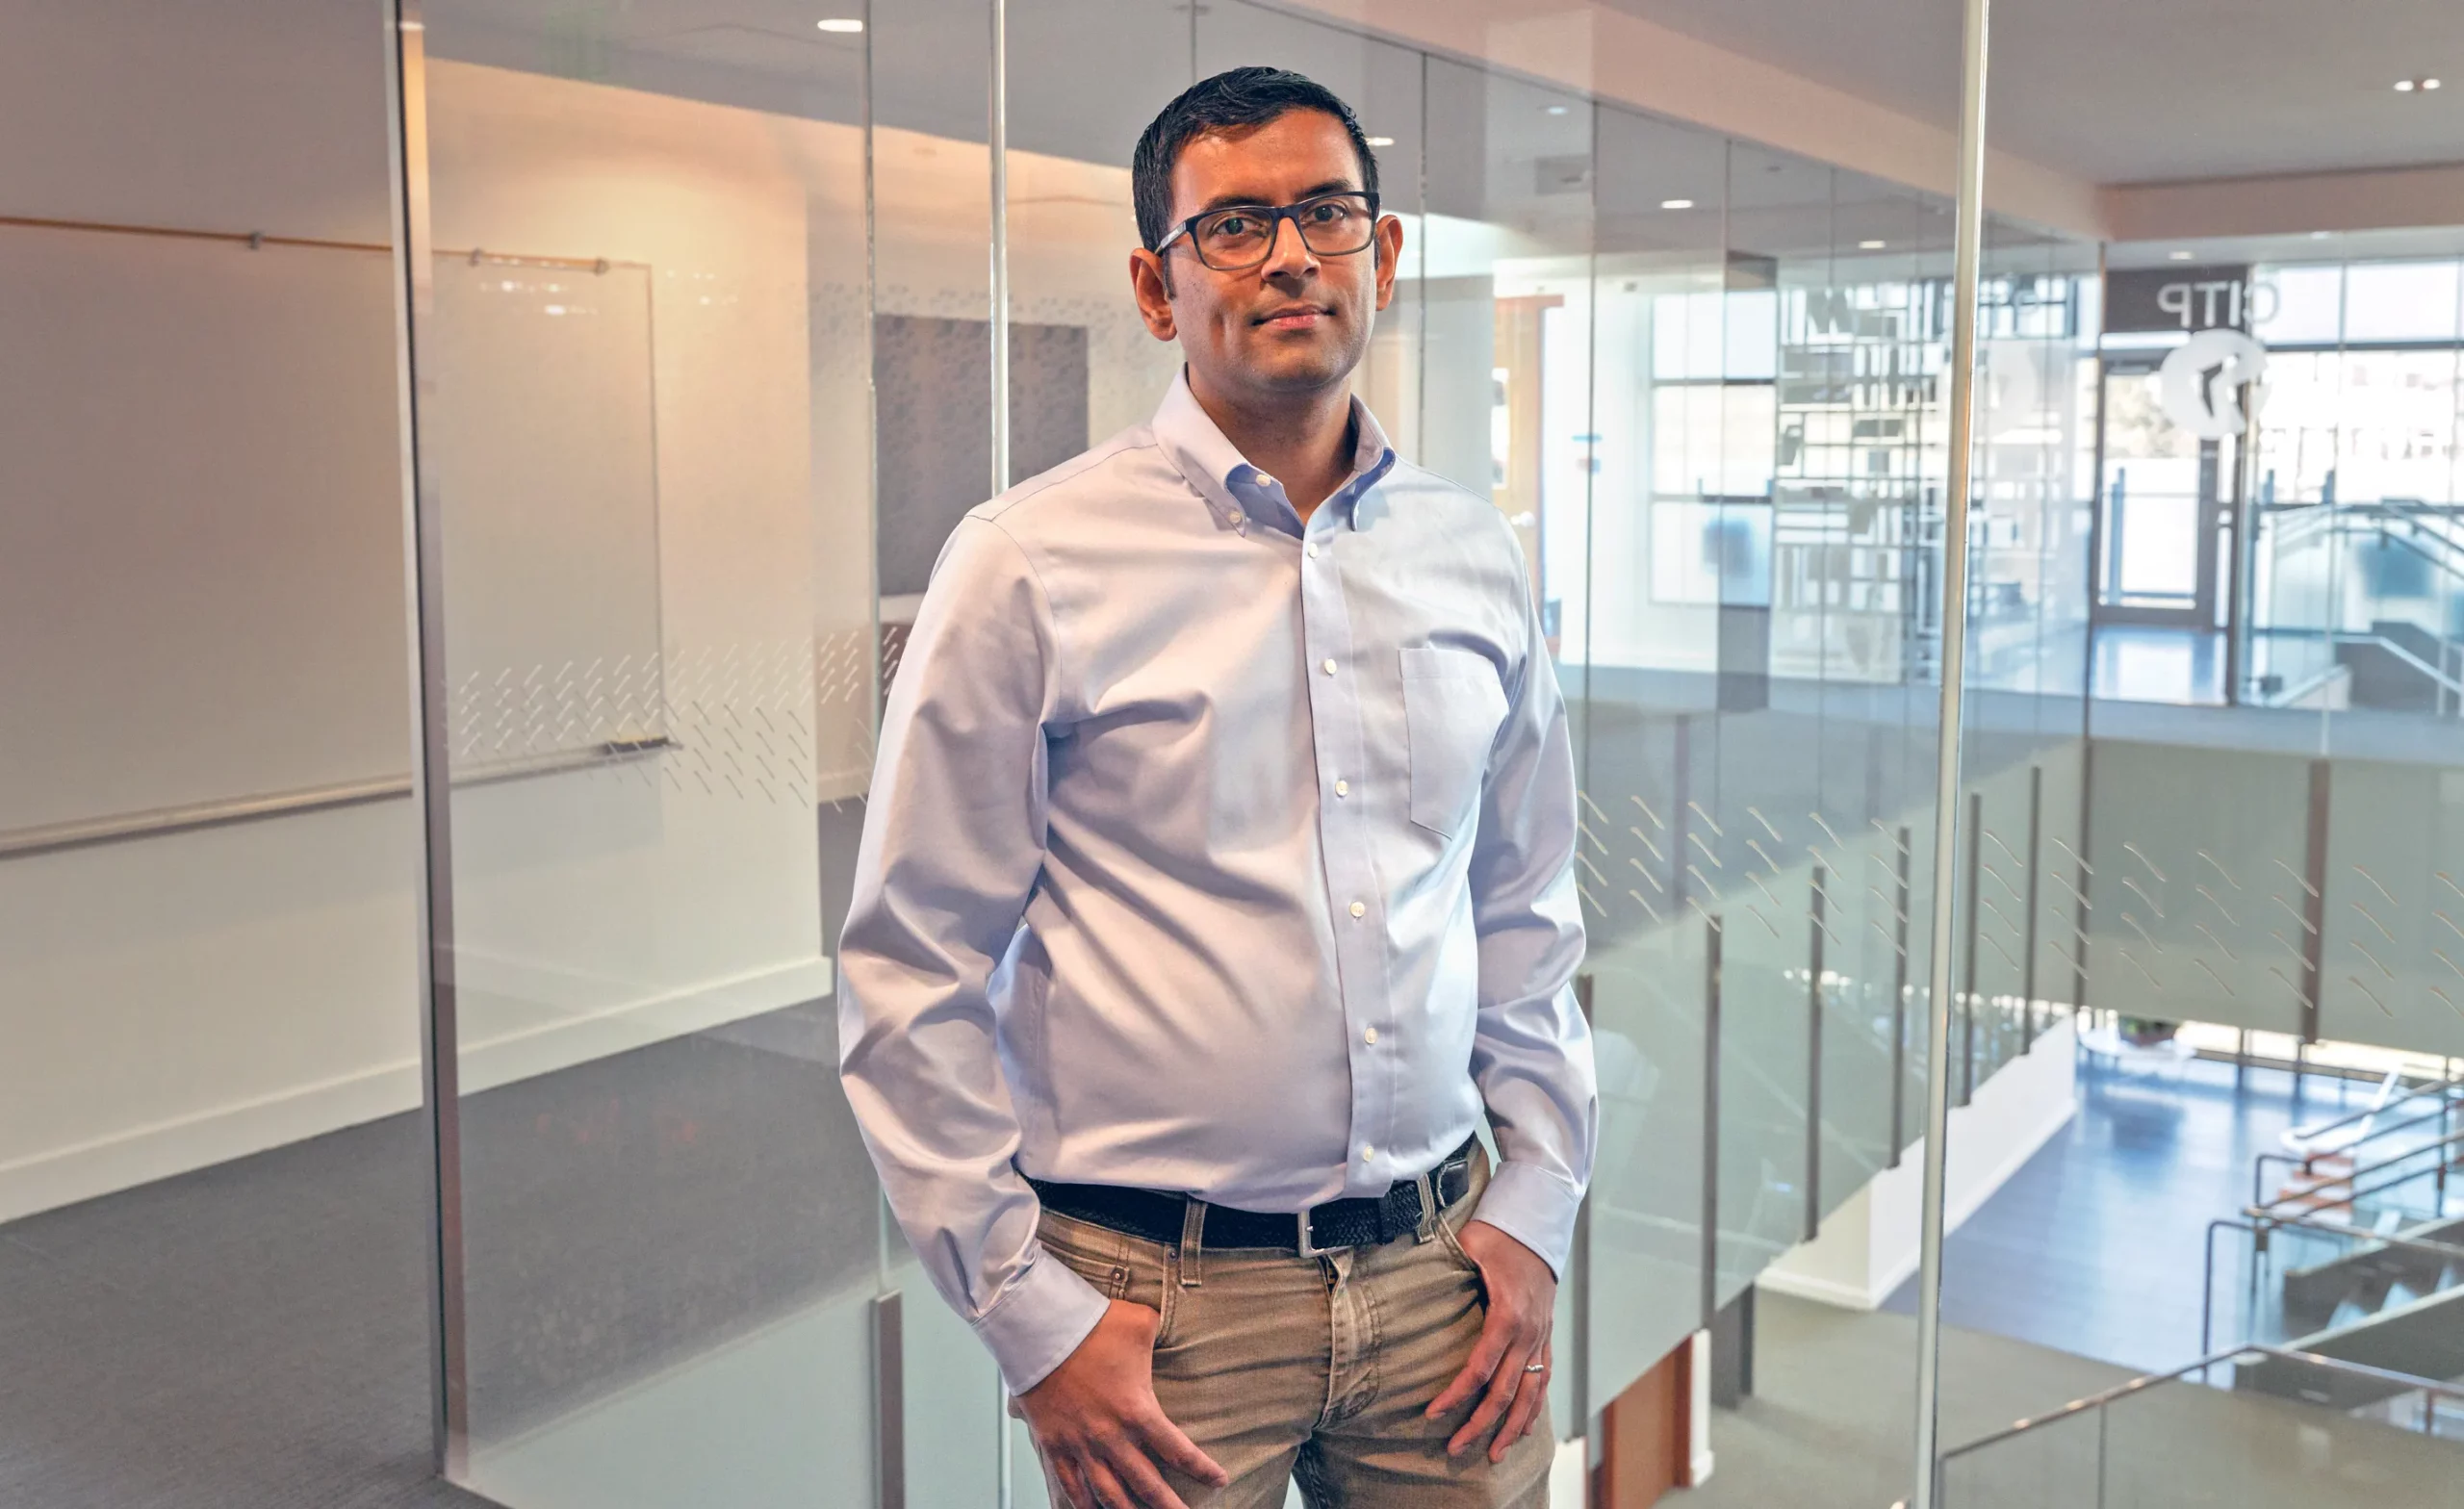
<point x="1676" y="204"/>
<point x="1558" y="109"/>
<point x="844" y="25"/>
<point x="2430" y="84"/>
<point x="1382" y="140"/>
<point x="2408" y="86"/>
<point x="1871" y="246"/>
<point x="2180" y="256"/>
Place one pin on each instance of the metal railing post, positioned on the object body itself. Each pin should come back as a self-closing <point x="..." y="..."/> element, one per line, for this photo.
<point x="2103" y="1413"/>
<point x="997" y="141"/>
<point x="1967" y="260"/>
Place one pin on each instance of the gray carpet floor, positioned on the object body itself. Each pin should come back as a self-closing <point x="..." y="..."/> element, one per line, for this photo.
<point x="1832" y="1423"/>
<point x="255" y="1335"/>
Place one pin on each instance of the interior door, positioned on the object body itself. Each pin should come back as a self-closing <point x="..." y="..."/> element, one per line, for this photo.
<point x="2165" y="503"/>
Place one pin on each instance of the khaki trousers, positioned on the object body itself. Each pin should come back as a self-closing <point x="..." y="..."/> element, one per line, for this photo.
<point x="1315" y="1369"/>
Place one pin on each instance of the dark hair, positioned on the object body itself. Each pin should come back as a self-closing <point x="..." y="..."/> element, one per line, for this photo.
<point x="1230" y="101"/>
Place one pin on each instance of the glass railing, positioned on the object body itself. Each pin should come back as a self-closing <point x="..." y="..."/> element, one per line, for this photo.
<point x="2359" y="604"/>
<point x="2322" y="1432"/>
<point x="2304" y="1280"/>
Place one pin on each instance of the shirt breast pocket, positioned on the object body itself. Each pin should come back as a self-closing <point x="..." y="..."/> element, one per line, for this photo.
<point x="1452" y="707"/>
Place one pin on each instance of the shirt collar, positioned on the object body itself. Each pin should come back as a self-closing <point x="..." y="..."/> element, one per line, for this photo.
<point x="1235" y="491"/>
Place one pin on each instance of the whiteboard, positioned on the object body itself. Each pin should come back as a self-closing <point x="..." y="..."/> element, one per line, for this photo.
<point x="538" y="442"/>
<point x="201" y="575"/>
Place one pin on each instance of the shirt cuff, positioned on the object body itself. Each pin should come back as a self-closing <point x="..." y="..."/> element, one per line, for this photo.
<point x="1033" y="1329"/>
<point x="1536" y="1208"/>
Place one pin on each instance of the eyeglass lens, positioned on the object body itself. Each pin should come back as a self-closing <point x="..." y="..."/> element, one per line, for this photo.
<point x="1334" y="226"/>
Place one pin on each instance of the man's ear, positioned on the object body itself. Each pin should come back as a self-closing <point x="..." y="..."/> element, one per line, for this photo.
<point x="1389" y="242"/>
<point x="1150" y="284"/>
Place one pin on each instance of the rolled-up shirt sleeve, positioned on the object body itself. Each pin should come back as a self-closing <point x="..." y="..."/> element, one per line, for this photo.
<point x="1531" y="1052"/>
<point x="954" y="840"/>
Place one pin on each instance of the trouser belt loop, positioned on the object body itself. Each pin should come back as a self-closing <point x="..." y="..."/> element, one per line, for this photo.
<point x="1192" y="1243"/>
<point x="1427" y="1229"/>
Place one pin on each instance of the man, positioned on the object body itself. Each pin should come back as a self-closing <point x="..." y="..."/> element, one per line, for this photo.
<point x="1216" y="880"/>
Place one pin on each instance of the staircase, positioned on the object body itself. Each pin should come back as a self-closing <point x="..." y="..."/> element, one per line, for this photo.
<point x="2369" y="1228"/>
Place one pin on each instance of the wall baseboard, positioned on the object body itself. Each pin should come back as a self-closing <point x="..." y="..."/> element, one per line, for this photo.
<point x="1824" y="1290"/>
<point x="492" y="1057"/>
<point x="183" y="1144"/>
<point x="157" y="1150"/>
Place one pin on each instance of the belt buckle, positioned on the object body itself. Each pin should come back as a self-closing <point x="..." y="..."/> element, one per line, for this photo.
<point x="1307" y="1249"/>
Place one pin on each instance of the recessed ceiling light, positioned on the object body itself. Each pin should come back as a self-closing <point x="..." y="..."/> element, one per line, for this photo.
<point x="843" y="24"/>
<point x="2407" y="86"/>
<point x="1871" y="246"/>
<point x="2430" y="84"/>
<point x="2180" y="256"/>
<point x="1676" y="204"/>
<point x="1558" y="109"/>
<point x="1382" y="140"/>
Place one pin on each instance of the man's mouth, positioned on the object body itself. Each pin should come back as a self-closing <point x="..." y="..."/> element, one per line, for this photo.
<point x="1295" y="316"/>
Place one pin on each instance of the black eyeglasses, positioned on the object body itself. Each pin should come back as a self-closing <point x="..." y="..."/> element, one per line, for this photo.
<point x="1240" y="237"/>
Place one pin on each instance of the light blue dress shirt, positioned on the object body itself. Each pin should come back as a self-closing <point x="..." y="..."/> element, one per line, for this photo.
<point x="1213" y="852"/>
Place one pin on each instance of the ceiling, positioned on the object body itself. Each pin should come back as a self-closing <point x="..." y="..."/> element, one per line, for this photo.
<point x="2134" y="90"/>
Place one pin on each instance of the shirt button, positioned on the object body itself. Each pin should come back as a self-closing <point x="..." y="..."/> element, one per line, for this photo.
<point x="1312" y="549"/>
<point x="1331" y="667"/>
<point x="1358" y="910"/>
<point x="1367" y="1153"/>
<point x="1236" y="517"/>
<point x="1264" y="480"/>
<point x="1369" y="1036"/>
<point x="1343" y="788"/>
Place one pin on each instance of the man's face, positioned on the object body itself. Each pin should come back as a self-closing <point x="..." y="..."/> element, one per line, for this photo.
<point x="1299" y="321"/>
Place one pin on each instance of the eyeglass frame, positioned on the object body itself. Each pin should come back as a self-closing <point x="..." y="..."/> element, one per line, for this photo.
<point x="1276" y="215"/>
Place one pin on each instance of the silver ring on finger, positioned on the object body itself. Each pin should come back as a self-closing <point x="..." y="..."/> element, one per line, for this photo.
<point x="1535" y="1367"/>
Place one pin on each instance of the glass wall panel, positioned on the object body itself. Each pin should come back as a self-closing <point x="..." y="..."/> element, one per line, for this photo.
<point x="932" y="449"/>
<point x="2259" y="437"/>
<point x="643" y="355"/>
<point x="1082" y="363"/>
<point x="1649" y="631"/>
<point x="211" y="1167"/>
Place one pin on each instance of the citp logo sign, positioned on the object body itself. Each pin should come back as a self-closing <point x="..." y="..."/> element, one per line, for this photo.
<point x="2203" y="381"/>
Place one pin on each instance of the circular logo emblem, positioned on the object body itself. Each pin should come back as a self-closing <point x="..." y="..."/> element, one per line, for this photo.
<point x="2203" y="382"/>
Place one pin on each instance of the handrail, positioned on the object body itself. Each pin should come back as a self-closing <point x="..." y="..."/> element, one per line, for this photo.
<point x="85" y="832"/>
<point x="256" y="239"/>
<point x="2304" y="687"/>
<point x="2384" y="1239"/>
<point x="2366" y="637"/>
<point x="2322" y="1128"/>
<point x="2451" y="1142"/>
<point x="2140" y="1385"/>
<point x="2207" y="1283"/>
<point x="2449" y="1102"/>
<point x="2353" y="1191"/>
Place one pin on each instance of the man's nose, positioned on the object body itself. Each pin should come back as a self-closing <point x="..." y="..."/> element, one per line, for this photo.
<point x="1290" y="256"/>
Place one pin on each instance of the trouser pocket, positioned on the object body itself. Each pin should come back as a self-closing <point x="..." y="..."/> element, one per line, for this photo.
<point x="1118" y="1266"/>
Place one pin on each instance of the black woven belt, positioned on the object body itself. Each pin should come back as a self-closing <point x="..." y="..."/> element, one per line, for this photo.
<point x="1362" y="1222"/>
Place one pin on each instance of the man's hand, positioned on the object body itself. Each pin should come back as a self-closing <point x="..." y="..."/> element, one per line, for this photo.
<point x="1097" y="1422"/>
<point x="1523" y="1305"/>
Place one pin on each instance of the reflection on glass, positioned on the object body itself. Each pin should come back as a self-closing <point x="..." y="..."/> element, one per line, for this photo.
<point x="2265" y="995"/>
<point x="647" y="308"/>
